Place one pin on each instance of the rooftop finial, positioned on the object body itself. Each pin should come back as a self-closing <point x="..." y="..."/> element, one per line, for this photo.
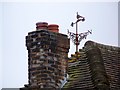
<point x="76" y="38"/>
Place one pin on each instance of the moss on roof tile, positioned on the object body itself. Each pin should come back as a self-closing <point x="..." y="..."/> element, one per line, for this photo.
<point x="79" y="68"/>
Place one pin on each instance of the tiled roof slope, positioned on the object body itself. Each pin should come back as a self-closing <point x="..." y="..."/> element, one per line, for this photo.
<point x="79" y="72"/>
<point x="95" y="67"/>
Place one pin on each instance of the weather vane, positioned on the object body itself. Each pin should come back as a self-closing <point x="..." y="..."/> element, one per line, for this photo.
<point x="77" y="38"/>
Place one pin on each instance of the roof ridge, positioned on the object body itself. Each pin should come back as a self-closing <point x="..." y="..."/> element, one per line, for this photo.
<point x="109" y="47"/>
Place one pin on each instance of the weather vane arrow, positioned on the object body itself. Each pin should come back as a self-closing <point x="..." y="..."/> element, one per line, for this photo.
<point x="77" y="38"/>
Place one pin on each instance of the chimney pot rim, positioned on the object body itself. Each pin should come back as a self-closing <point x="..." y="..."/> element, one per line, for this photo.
<point x="41" y="23"/>
<point x="53" y="25"/>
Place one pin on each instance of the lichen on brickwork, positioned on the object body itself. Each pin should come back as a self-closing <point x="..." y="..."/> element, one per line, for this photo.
<point x="47" y="60"/>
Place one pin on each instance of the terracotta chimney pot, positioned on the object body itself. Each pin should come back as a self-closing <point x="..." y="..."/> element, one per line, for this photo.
<point x="42" y="25"/>
<point x="53" y="28"/>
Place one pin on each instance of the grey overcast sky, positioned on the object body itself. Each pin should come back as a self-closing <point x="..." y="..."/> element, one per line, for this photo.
<point x="19" y="18"/>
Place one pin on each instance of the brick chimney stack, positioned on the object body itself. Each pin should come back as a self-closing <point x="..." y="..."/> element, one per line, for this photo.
<point x="47" y="57"/>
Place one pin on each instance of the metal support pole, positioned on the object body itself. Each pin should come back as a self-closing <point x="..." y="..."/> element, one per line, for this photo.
<point x="76" y="38"/>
